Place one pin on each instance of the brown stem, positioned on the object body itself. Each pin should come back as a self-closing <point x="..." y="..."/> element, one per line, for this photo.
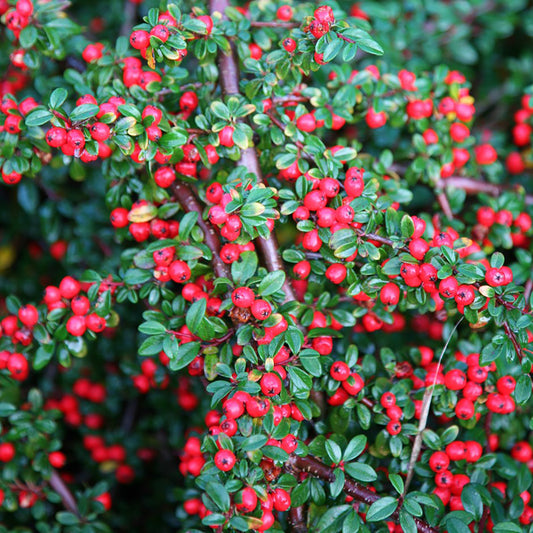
<point x="347" y="39"/>
<point x="188" y="201"/>
<point x="128" y="19"/>
<point x="512" y="336"/>
<point x="297" y="519"/>
<point x="483" y="521"/>
<point x="359" y="492"/>
<point x="58" y="485"/>
<point x="487" y="429"/>
<point x="527" y="289"/>
<point x="274" y="24"/>
<point x="229" y="80"/>
<point x="445" y="204"/>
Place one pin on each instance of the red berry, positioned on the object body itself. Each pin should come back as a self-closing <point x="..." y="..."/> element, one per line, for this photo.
<point x="225" y="460"/>
<point x="225" y="136"/>
<point x="7" y="452"/>
<point x="18" y="366"/>
<point x="284" y="13"/>
<point x="374" y="119"/>
<point x="248" y="500"/>
<point x="76" y="325"/>
<point x="389" y="294"/>
<point x="179" y="271"/>
<point x="336" y="273"/>
<point x="289" y="45"/>
<point x="57" y="459"/>
<point x="339" y="371"/>
<point x="28" y="315"/>
<point x="243" y="297"/>
<point x="271" y="384"/>
<point x="140" y="39"/>
<point x="261" y="309"/>
<point x="164" y="177"/>
<point x="506" y="385"/>
<point x="439" y="461"/>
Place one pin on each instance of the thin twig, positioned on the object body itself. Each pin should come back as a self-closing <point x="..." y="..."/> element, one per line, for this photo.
<point x="512" y="336"/>
<point x="274" y="24"/>
<point x="58" y="485"/>
<point x="426" y="404"/>
<point x="444" y="204"/>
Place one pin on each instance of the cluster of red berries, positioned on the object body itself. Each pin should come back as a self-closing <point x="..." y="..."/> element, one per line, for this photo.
<point x="18" y="17"/>
<point x="323" y="18"/>
<point x="521" y="224"/>
<point x="13" y="116"/>
<point x="16" y="364"/>
<point x="449" y="486"/>
<point x="188" y="166"/>
<point x="69" y="405"/>
<point x="14" y="78"/>
<point x="142" y="39"/>
<point x="72" y="140"/>
<point x="70" y="294"/>
<point x="246" y="501"/>
<point x="146" y="380"/>
<point x="114" y="453"/>
<point x="150" y="226"/>
<point x="244" y="298"/>
<point x="192" y="459"/>
<point x="515" y="161"/>
<point x="230" y="225"/>
<point x="351" y="383"/>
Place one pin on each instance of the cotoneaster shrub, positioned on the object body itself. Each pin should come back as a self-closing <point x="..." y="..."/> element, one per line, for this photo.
<point x="260" y="269"/>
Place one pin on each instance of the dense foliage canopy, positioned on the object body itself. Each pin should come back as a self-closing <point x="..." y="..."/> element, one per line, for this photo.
<point x="266" y="267"/>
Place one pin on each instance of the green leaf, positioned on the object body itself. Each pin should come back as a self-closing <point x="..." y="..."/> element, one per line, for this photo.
<point x="407" y="227"/>
<point x="355" y="448"/>
<point x="472" y="501"/>
<point x="152" y="328"/>
<point x="507" y="527"/>
<point x="397" y="482"/>
<point x="522" y="391"/>
<point x="407" y="522"/>
<point x="67" y="519"/>
<point x="275" y="453"/>
<point x="43" y="355"/>
<point x="186" y="353"/>
<point x="218" y="493"/>
<point x="331" y="520"/>
<point x="336" y="487"/>
<point x="381" y="509"/>
<point x="245" y="268"/>
<point x="28" y="196"/>
<point x="253" y="443"/>
<point x="220" y="110"/>
<point x="334" y="451"/>
<point x="83" y="112"/>
<point x="6" y="409"/>
<point x="294" y="338"/>
<point x="187" y="223"/>
<point x="361" y="472"/>
<point x="333" y="49"/>
<point x="301" y="382"/>
<point x="38" y="117"/>
<point x="58" y="97"/>
<point x="195" y="314"/>
<point x="271" y="283"/>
